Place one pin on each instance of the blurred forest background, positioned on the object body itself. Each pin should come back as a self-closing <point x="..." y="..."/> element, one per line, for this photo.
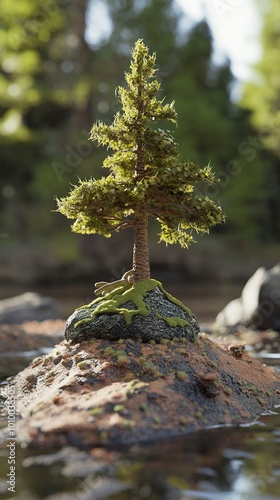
<point x="54" y="85"/>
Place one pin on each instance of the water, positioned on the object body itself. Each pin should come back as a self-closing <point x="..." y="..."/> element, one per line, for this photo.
<point x="204" y="299"/>
<point x="235" y="463"/>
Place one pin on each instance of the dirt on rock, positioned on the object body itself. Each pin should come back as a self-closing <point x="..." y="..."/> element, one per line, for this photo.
<point x="104" y="393"/>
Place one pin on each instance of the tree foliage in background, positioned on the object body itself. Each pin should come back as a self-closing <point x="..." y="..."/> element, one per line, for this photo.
<point x="147" y="176"/>
<point x="29" y="106"/>
<point x="44" y="95"/>
<point x="262" y="97"/>
<point x="53" y="86"/>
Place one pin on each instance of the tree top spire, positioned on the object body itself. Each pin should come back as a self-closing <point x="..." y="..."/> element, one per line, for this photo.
<point x="147" y="177"/>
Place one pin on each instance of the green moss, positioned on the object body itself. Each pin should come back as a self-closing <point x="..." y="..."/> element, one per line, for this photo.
<point x="109" y="351"/>
<point x="151" y="369"/>
<point x="164" y="341"/>
<point x="119" y="408"/>
<point x="251" y="387"/>
<point x="127" y="424"/>
<point x="119" y="353"/>
<point x="183" y="340"/>
<point x="112" y="303"/>
<point x="130" y="392"/>
<point x="227" y="391"/>
<point x="96" y="411"/>
<point x="104" y="437"/>
<point x="137" y="385"/>
<point x="82" y="365"/>
<point x="122" y="360"/>
<point x="174" y="300"/>
<point x="213" y="365"/>
<point x="173" y="320"/>
<point x="142" y="359"/>
<point x="181" y="375"/>
<point x="47" y="359"/>
<point x="134" y="382"/>
<point x="143" y="407"/>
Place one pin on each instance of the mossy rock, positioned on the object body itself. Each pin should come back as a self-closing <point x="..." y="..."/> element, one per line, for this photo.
<point x="114" y="394"/>
<point x="144" y="312"/>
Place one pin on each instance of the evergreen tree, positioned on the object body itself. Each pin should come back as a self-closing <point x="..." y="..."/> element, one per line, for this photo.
<point x="211" y="125"/>
<point x="262" y="97"/>
<point x="133" y="20"/>
<point x="44" y="81"/>
<point x="147" y="176"/>
<point x="202" y="94"/>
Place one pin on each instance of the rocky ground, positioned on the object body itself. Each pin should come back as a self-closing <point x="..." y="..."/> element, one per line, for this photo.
<point x="115" y="393"/>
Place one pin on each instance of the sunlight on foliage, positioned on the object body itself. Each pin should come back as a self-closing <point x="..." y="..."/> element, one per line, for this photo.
<point x="146" y="168"/>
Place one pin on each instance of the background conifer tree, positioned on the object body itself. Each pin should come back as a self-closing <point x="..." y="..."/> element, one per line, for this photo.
<point x="261" y="96"/>
<point x="147" y="176"/>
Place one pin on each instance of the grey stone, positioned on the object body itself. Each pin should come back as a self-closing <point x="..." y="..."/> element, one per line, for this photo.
<point x="28" y="307"/>
<point x="232" y="314"/>
<point x="259" y="304"/>
<point x="113" y="326"/>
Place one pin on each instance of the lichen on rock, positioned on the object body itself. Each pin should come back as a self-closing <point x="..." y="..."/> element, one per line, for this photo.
<point x="144" y="311"/>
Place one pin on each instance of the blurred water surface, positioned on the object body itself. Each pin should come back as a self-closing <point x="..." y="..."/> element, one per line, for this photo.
<point x="234" y="463"/>
<point x="205" y="299"/>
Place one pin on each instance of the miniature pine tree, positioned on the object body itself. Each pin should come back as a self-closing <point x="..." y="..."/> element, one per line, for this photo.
<point x="147" y="177"/>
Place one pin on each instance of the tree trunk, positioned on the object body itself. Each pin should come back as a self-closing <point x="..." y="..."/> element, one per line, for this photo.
<point x="141" y="260"/>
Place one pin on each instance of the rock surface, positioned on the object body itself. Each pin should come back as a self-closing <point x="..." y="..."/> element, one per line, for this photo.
<point x="118" y="393"/>
<point x="259" y="304"/>
<point x="145" y="328"/>
<point x="28" y="307"/>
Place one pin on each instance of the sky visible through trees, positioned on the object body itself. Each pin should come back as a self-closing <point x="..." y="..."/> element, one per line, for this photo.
<point x="238" y="26"/>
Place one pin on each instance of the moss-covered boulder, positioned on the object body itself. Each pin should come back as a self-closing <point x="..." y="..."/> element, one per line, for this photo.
<point x="143" y="311"/>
